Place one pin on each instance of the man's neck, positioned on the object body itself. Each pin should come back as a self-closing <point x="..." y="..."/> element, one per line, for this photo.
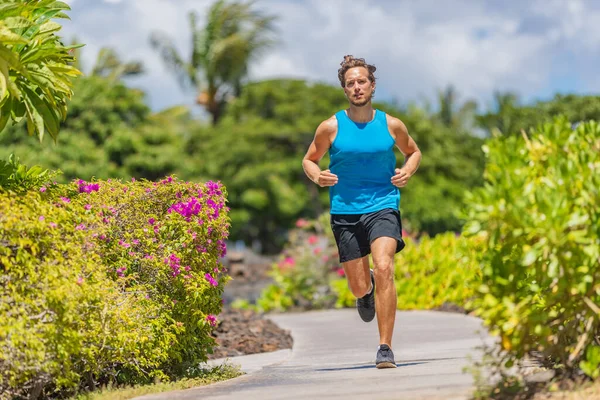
<point x="360" y="114"/>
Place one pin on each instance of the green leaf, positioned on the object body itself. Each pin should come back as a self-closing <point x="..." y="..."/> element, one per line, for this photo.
<point x="49" y="27"/>
<point x="3" y="80"/>
<point x="35" y="122"/>
<point x="47" y="114"/>
<point x="530" y="257"/>
<point x="11" y="59"/>
<point x="5" y="113"/>
<point x="8" y="37"/>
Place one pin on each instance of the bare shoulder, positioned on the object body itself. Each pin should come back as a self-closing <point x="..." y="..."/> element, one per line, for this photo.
<point x="327" y="129"/>
<point x="396" y="126"/>
<point x="329" y="126"/>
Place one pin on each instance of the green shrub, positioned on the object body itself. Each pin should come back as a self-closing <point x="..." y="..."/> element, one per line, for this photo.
<point x="428" y="273"/>
<point x="307" y="265"/>
<point x="19" y="178"/>
<point x="539" y="218"/>
<point x="108" y="282"/>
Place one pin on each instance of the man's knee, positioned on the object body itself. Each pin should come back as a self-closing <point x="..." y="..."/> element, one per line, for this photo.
<point x="359" y="288"/>
<point x="384" y="268"/>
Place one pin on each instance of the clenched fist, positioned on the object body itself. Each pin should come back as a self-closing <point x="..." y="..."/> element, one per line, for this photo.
<point x="326" y="178"/>
<point x="401" y="178"/>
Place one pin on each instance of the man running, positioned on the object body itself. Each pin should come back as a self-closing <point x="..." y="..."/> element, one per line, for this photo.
<point x="364" y="195"/>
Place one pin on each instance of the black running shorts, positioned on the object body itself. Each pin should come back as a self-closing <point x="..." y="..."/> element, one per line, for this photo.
<point x="354" y="233"/>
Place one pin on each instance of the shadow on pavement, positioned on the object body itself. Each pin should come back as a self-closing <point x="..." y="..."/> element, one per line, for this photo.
<point x="370" y="366"/>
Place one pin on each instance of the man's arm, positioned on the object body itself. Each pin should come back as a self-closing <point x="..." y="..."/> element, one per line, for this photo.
<point x="317" y="149"/>
<point x="408" y="147"/>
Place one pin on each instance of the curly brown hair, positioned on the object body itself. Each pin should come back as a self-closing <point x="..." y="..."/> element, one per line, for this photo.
<point x="351" y="62"/>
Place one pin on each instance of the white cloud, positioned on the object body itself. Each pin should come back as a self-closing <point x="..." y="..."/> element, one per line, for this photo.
<point x="418" y="47"/>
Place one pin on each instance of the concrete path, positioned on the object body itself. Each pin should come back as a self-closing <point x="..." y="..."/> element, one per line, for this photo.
<point x="334" y="358"/>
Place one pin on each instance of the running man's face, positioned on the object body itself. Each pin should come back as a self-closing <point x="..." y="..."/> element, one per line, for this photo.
<point x="358" y="88"/>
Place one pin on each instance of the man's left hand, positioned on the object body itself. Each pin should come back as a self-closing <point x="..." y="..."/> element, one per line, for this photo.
<point x="401" y="178"/>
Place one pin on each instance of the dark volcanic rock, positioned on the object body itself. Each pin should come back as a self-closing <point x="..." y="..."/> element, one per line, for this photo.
<point x="242" y="332"/>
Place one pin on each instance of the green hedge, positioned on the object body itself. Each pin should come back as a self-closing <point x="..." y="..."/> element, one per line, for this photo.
<point x="108" y="282"/>
<point x="539" y="218"/>
<point x="428" y="272"/>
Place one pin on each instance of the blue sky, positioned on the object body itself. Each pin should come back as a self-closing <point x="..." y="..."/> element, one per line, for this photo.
<point x="533" y="47"/>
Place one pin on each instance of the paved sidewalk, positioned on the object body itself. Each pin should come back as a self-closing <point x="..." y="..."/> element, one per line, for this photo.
<point x="334" y="354"/>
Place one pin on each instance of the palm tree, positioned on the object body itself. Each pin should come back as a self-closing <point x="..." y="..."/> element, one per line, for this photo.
<point x="502" y="118"/>
<point x="222" y="50"/>
<point x="451" y="113"/>
<point x="108" y="64"/>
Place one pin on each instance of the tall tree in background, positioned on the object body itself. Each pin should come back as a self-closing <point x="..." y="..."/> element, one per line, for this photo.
<point x="509" y="117"/>
<point x="234" y="35"/>
<point x="35" y="75"/>
<point x="455" y="115"/>
<point x="502" y="118"/>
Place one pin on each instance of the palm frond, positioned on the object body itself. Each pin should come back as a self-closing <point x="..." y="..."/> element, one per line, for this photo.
<point x="184" y="72"/>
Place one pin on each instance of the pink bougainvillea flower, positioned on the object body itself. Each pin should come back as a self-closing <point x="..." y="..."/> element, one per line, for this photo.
<point x="124" y="244"/>
<point x="214" y="188"/>
<point x="88" y="206"/>
<point x="66" y="199"/>
<point x="80" y="280"/>
<point x="41" y="218"/>
<point x="340" y="272"/>
<point x="288" y="262"/>
<point x="80" y="227"/>
<point x="317" y="251"/>
<point x="85" y="187"/>
<point x="52" y="225"/>
<point x="312" y="239"/>
<point x="301" y="223"/>
<point x="151" y="221"/>
<point x="211" y="319"/>
<point x="43" y="189"/>
<point x="210" y="279"/>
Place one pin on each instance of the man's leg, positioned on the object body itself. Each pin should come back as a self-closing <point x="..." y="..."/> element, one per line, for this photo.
<point x="382" y="251"/>
<point x="359" y="276"/>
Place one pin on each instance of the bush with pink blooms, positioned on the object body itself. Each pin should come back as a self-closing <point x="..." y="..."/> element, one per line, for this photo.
<point x="302" y="277"/>
<point x="108" y="282"/>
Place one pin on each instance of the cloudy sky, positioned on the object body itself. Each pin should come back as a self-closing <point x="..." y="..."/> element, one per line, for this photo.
<point x="534" y="47"/>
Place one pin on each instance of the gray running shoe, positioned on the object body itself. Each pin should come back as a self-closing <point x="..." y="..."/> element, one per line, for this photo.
<point x="385" y="357"/>
<point x="366" y="304"/>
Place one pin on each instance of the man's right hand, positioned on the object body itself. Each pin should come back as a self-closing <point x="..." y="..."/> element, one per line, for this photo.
<point x="326" y="178"/>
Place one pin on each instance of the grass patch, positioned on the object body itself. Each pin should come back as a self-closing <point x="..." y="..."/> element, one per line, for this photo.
<point x="204" y="377"/>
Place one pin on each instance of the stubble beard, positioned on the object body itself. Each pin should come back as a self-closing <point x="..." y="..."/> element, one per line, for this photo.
<point x="362" y="102"/>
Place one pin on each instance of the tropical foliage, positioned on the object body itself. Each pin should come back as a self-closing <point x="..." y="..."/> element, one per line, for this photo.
<point x="234" y="34"/>
<point x="539" y="221"/>
<point x="35" y="72"/>
<point x="429" y="272"/>
<point x="107" y="282"/>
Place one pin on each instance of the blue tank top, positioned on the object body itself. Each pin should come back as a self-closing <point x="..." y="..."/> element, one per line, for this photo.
<point x="362" y="156"/>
